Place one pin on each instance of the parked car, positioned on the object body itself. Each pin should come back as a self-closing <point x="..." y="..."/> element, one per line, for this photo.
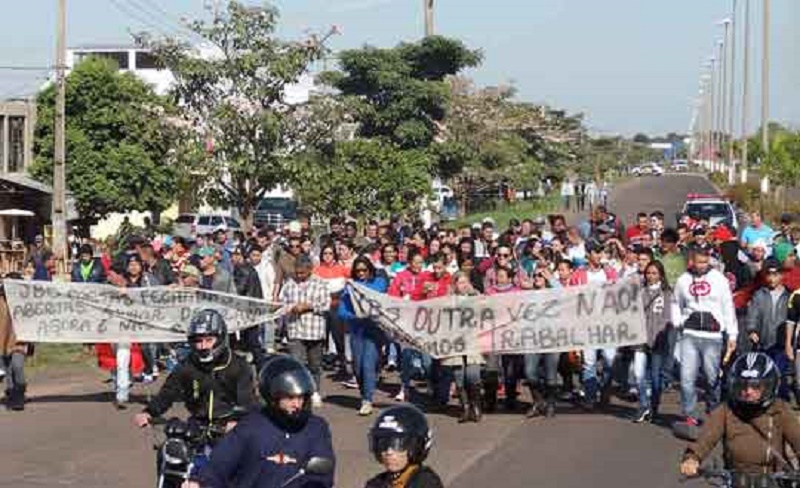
<point x="190" y="224"/>
<point x="276" y="211"/>
<point x="648" y="169"/>
<point x="680" y="166"/>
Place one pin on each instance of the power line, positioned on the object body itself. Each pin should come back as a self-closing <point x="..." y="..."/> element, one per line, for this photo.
<point x="26" y="68"/>
<point x="125" y="9"/>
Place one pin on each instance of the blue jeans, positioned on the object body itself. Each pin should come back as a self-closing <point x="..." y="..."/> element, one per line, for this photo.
<point x="365" y="340"/>
<point x="648" y="371"/>
<point x="421" y="366"/>
<point x="550" y="368"/>
<point x="468" y="375"/>
<point x="694" y="351"/>
<point x="589" y="374"/>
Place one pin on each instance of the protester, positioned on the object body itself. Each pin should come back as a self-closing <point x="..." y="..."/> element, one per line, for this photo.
<point x="87" y="269"/>
<point x="650" y="358"/>
<point x="703" y="308"/>
<point x="12" y="354"/>
<point x="366" y="337"/>
<point x="306" y="300"/>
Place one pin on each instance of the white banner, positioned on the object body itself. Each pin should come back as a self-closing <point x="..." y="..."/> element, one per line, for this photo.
<point x="88" y="313"/>
<point x="553" y="320"/>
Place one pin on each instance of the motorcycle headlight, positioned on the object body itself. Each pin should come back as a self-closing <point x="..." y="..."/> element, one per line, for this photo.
<point x="175" y="451"/>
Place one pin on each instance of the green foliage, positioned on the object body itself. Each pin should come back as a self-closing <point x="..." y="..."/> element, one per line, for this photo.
<point x="399" y="94"/>
<point x="395" y="99"/>
<point x="116" y="142"/>
<point x="235" y="98"/>
<point x="365" y="176"/>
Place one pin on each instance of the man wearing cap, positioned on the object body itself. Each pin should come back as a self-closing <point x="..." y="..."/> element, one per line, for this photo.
<point x="190" y="276"/>
<point x="87" y="269"/>
<point x="213" y="277"/>
<point x="766" y="313"/>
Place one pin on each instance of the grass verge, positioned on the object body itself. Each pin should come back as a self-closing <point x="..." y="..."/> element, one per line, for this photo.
<point x="60" y="356"/>
<point x="519" y="210"/>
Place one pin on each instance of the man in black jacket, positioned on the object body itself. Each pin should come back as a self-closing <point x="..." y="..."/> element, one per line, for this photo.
<point x="211" y="382"/>
<point x="248" y="284"/>
<point x="156" y="265"/>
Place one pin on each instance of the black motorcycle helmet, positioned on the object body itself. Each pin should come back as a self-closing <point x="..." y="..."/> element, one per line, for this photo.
<point x="283" y="376"/>
<point x="205" y="323"/>
<point x="401" y="428"/>
<point x="757" y="371"/>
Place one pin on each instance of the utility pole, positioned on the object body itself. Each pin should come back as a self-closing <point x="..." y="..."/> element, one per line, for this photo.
<point x="765" y="94"/>
<point x="745" y="89"/>
<point x="428" y="7"/>
<point x="722" y="97"/>
<point x="59" y="216"/>
<point x="731" y="90"/>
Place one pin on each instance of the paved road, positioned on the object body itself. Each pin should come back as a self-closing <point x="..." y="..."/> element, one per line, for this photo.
<point x="70" y="435"/>
<point x="599" y="450"/>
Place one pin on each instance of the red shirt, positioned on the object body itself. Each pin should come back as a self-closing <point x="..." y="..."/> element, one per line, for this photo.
<point x="441" y="285"/>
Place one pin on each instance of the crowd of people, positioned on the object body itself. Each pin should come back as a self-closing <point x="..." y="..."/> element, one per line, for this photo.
<point x="710" y="294"/>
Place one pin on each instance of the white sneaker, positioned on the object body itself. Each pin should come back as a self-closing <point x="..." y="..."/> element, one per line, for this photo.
<point x="400" y="397"/>
<point x="366" y="409"/>
<point x="316" y="400"/>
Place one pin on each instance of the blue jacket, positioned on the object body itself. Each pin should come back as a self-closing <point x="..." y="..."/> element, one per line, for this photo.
<point x="259" y="454"/>
<point x="345" y="309"/>
<point x="97" y="275"/>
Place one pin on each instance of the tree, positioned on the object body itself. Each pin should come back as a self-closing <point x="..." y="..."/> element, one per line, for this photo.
<point x="117" y="145"/>
<point x="396" y="99"/>
<point x="232" y="102"/>
<point x="365" y="177"/>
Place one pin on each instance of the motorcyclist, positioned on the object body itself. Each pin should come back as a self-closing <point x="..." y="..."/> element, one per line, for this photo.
<point x="212" y="382"/>
<point x="754" y="424"/>
<point x="400" y="440"/>
<point x="271" y="444"/>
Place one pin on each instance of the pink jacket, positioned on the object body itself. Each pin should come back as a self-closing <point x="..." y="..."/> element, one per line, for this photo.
<point x="581" y="276"/>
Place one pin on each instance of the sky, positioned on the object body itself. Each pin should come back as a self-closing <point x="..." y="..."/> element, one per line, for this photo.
<point x="629" y="65"/>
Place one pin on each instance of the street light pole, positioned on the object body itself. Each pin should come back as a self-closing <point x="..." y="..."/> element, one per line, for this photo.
<point x="59" y="218"/>
<point x="722" y="97"/>
<point x="731" y="90"/>
<point x="745" y="89"/>
<point x="428" y="6"/>
<point x="765" y="94"/>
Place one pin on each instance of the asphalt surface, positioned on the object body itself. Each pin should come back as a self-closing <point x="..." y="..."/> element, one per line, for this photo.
<point x="71" y="436"/>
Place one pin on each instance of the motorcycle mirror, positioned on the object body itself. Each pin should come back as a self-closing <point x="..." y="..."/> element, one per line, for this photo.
<point x="319" y="466"/>
<point x="685" y="432"/>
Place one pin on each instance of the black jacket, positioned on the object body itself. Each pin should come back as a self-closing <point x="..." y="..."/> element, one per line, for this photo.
<point x="97" y="275"/>
<point x="192" y="384"/>
<point x="425" y="477"/>
<point x="245" y="278"/>
<point x="162" y="271"/>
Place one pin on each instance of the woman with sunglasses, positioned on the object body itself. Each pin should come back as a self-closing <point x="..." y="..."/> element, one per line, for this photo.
<point x="365" y="335"/>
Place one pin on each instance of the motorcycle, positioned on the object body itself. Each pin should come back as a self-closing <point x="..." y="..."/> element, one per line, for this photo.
<point x="724" y="478"/>
<point x="187" y="447"/>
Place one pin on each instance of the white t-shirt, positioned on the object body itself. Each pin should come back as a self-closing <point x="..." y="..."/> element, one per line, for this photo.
<point x="596" y="277"/>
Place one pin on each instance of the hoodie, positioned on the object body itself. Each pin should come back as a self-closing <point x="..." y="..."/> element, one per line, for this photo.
<point x="705" y="294"/>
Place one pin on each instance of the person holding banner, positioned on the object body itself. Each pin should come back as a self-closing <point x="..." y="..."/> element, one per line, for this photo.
<point x="543" y="404"/>
<point x="597" y="275"/>
<point x="466" y="370"/>
<point x="365" y="336"/>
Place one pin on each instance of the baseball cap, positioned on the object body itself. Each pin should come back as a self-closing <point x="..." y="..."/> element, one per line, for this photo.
<point x="206" y="251"/>
<point x="771" y="265"/>
<point x="39" y="238"/>
<point x="476" y="226"/>
<point x="539" y="220"/>
<point x="190" y="271"/>
<point x="593" y="245"/>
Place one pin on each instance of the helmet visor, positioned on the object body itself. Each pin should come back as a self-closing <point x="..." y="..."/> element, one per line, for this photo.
<point x="753" y="391"/>
<point x="395" y="442"/>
